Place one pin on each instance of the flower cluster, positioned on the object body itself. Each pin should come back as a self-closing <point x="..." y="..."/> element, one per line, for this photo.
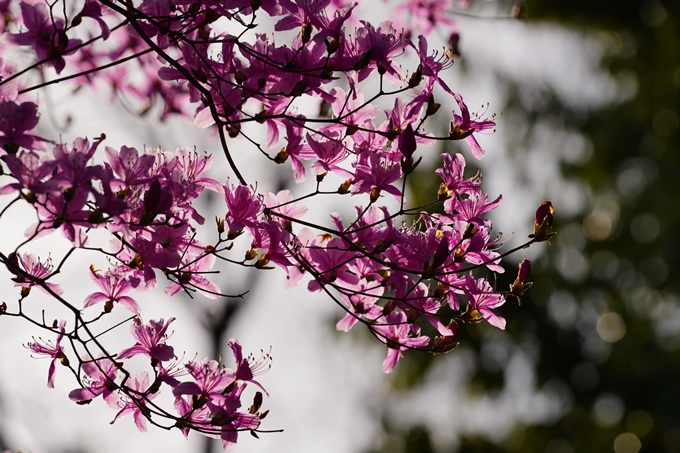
<point x="412" y="274"/>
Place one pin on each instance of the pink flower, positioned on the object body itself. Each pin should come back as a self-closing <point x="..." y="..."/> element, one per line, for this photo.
<point x="150" y="341"/>
<point x="55" y="351"/>
<point x="137" y="405"/>
<point x="463" y="126"/>
<point x="35" y="269"/>
<point x="46" y="35"/>
<point x="243" y="208"/>
<point x="100" y="380"/>
<point x="15" y="121"/>
<point x="394" y="332"/>
<point x="113" y="284"/>
<point x="483" y="298"/>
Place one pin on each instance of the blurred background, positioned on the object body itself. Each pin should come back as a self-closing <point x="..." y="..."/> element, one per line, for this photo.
<point x="590" y="361"/>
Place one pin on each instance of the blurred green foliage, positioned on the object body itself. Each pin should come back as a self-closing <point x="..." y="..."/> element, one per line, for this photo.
<point x="604" y="311"/>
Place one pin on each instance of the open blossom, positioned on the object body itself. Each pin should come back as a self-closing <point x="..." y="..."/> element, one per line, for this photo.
<point x="113" y="284"/>
<point x="243" y="208"/>
<point x="35" y="269"/>
<point x="15" y="121"/>
<point x="394" y="331"/>
<point x="150" y="340"/>
<point x="45" y="34"/>
<point x="56" y="352"/>
<point x="464" y="126"/>
<point x="246" y="367"/>
<point x="482" y="298"/>
<point x="137" y="405"/>
<point x="192" y="276"/>
<point x="100" y="380"/>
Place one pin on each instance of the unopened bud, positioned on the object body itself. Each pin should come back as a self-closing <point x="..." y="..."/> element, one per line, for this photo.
<point x="233" y="130"/>
<point x="470" y="231"/>
<point x="432" y="107"/>
<point x="257" y="403"/>
<point x="25" y="291"/>
<point x="389" y="307"/>
<point x="240" y="77"/>
<point x="220" y="225"/>
<point x="344" y="187"/>
<point x="251" y="254"/>
<point x="108" y="306"/>
<point x="231" y="235"/>
<point x="3" y="308"/>
<point x="262" y="261"/>
<point x="375" y="194"/>
<point x="332" y="46"/>
<point x="306" y="33"/>
<point x="416" y="78"/>
<point x="320" y="176"/>
<point x="444" y="192"/>
<point x="520" y="285"/>
<point x="281" y="156"/>
<point x="299" y="88"/>
<point x="543" y="223"/>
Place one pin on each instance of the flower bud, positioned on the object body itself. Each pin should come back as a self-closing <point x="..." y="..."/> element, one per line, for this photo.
<point x="407" y="142"/>
<point x="251" y="254"/>
<point x="432" y="106"/>
<point x="444" y="192"/>
<point x="416" y="78"/>
<point x="375" y="194"/>
<point x="520" y="285"/>
<point x="332" y="46"/>
<point x="262" y="261"/>
<point x="543" y="223"/>
<point x="470" y="231"/>
<point x="220" y="225"/>
<point x="306" y="33"/>
<point x="282" y="156"/>
<point x="231" y="235"/>
<point x="344" y="187"/>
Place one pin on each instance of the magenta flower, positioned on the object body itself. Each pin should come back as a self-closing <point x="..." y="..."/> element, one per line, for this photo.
<point x="210" y="379"/>
<point x="15" y="121"/>
<point x="55" y="351"/>
<point x="150" y="341"/>
<point x="332" y="263"/>
<point x="394" y="332"/>
<point x="100" y="380"/>
<point x="46" y="35"/>
<point x="483" y="298"/>
<point x="376" y="176"/>
<point x="136" y="406"/>
<point x="247" y="368"/>
<point x="243" y="208"/>
<point x="33" y="267"/>
<point x="464" y="126"/>
<point x="192" y="275"/>
<point x="113" y="284"/>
